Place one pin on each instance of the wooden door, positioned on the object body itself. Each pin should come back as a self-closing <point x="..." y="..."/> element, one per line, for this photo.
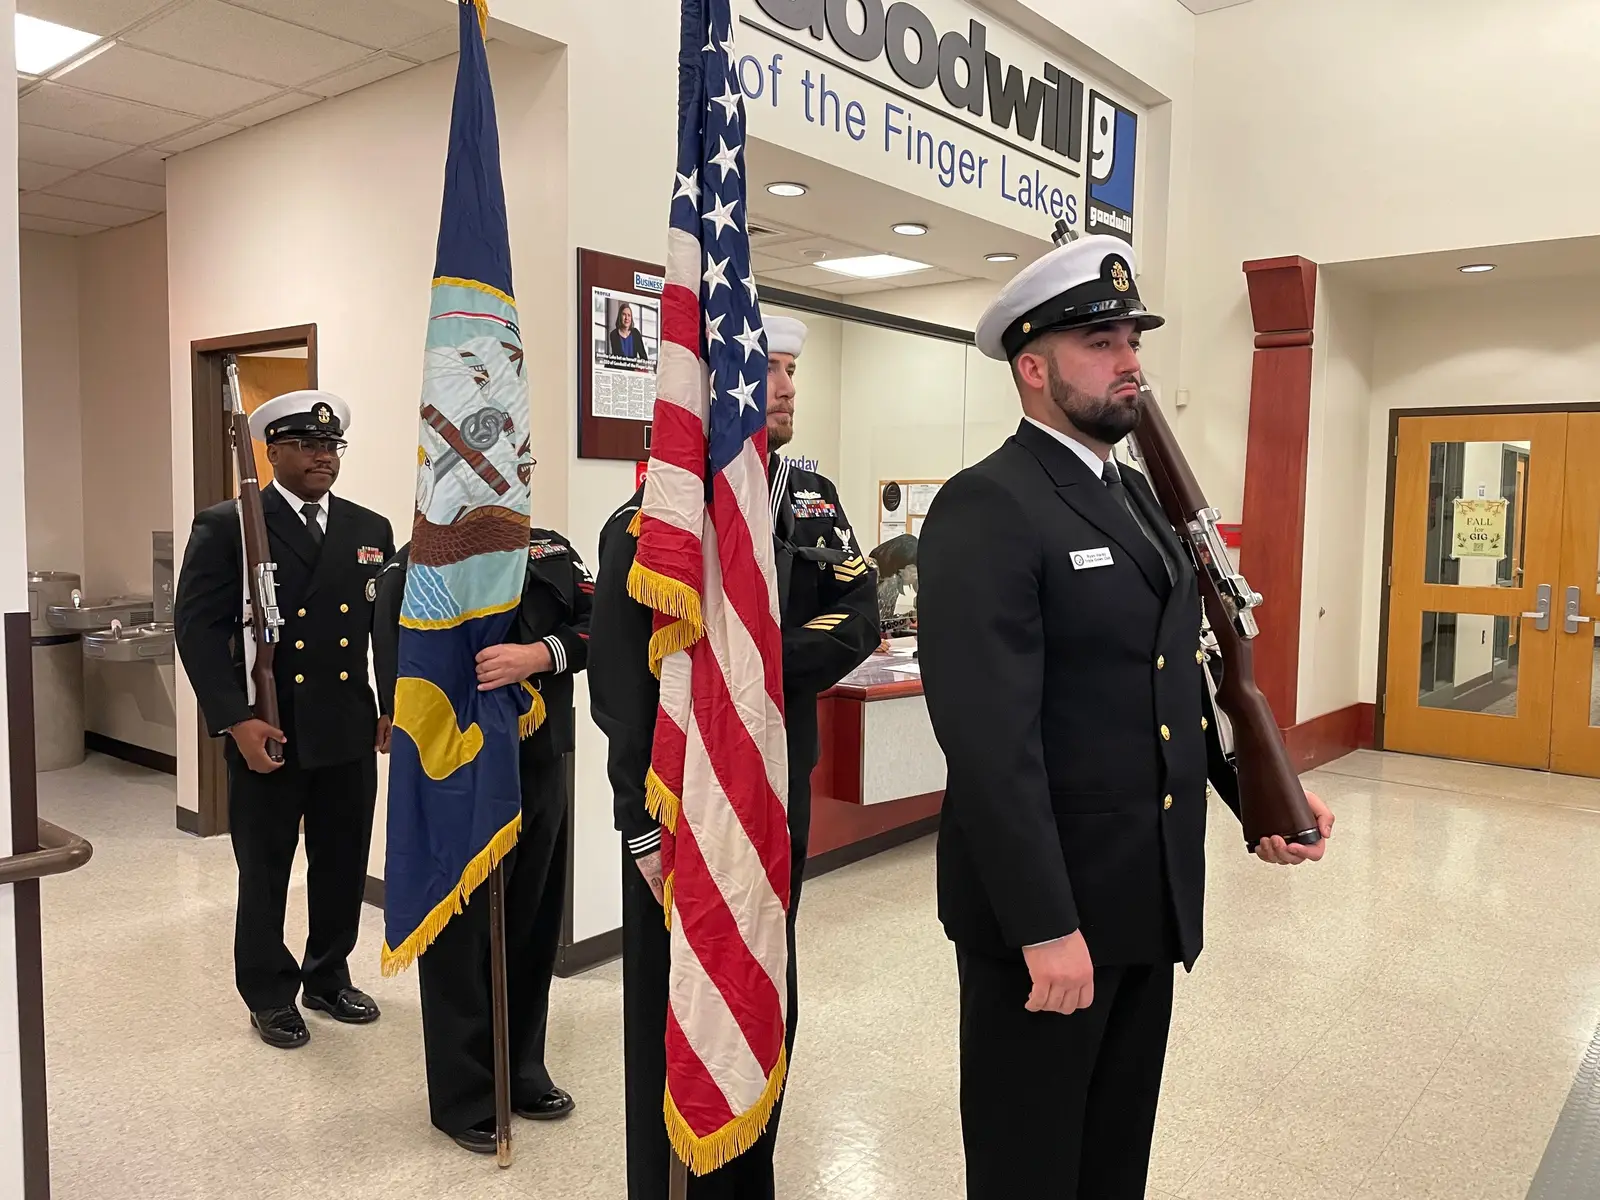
<point x="261" y="377"/>
<point x="1575" y="712"/>
<point x="1471" y="674"/>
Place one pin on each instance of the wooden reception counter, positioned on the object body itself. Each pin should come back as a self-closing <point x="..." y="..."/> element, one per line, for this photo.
<point x="880" y="779"/>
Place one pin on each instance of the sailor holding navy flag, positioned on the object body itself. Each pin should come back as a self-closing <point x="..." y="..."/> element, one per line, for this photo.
<point x="328" y="551"/>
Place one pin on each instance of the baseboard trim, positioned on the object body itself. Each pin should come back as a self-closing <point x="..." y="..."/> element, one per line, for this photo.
<point x="1330" y="736"/>
<point x="591" y="952"/>
<point x="139" y="756"/>
<point x="853" y="852"/>
<point x="373" y="893"/>
<point x="188" y="821"/>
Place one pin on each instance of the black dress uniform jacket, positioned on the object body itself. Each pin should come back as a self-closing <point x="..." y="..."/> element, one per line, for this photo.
<point x="829" y="615"/>
<point x="1070" y="704"/>
<point x="325" y="596"/>
<point x="453" y="976"/>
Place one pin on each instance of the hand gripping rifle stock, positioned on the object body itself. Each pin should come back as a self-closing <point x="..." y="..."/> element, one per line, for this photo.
<point x="261" y="618"/>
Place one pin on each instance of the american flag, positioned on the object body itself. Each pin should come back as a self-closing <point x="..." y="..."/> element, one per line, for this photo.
<point x="719" y="769"/>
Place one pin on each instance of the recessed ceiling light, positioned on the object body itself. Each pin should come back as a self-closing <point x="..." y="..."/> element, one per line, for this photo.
<point x="1002" y="257"/>
<point x="42" y="45"/>
<point x="787" y="190"/>
<point x="1475" y="268"/>
<point x="814" y="253"/>
<point x="909" y="229"/>
<point x="873" y="266"/>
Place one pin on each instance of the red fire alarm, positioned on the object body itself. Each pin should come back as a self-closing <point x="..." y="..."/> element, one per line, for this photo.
<point x="1232" y="535"/>
<point x="638" y="474"/>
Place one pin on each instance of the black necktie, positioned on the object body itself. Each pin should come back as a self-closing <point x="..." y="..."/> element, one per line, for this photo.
<point x="1114" y="485"/>
<point x="313" y="526"/>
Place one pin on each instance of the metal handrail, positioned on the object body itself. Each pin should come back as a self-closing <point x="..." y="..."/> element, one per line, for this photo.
<point x="60" y="850"/>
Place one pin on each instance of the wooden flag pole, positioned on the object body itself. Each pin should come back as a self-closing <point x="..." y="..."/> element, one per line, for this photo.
<point x="502" y="1034"/>
<point x="678" y="1181"/>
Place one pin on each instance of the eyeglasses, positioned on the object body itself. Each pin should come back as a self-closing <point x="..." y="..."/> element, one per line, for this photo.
<point x="317" y="447"/>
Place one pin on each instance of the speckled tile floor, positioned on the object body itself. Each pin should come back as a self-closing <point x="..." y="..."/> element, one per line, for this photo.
<point x="1401" y="1023"/>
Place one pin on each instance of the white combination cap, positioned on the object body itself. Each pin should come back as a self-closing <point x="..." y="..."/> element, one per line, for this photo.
<point x="300" y="414"/>
<point x="785" y="335"/>
<point x="1089" y="281"/>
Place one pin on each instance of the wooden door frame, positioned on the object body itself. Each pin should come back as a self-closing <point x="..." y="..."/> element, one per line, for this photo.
<point x="1396" y="415"/>
<point x="209" y="464"/>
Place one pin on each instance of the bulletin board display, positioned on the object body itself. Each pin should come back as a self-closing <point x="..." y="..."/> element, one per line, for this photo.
<point x="903" y="505"/>
<point x="619" y="348"/>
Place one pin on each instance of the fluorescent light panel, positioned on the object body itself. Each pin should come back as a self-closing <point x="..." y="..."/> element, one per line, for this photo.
<point x="44" y="45"/>
<point x="872" y="266"/>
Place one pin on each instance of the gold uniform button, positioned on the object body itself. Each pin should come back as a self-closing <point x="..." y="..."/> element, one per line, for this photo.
<point x="299" y="678"/>
<point x="344" y="674"/>
<point x="1161" y="662"/>
<point x="301" y="613"/>
<point x="344" y="608"/>
<point x="1200" y="657"/>
<point x="344" y="641"/>
<point x="1204" y="724"/>
<point x="1166" y="802"/>
<point x="1166" y="734"/>
<point x="299" y="645"/>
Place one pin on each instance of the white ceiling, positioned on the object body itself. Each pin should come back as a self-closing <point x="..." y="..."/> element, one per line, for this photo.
<point x="846" y="214"/>
<point x="92" y="143"/>
<point x="1205" y="6"/>
<point x="1522" y="262"/>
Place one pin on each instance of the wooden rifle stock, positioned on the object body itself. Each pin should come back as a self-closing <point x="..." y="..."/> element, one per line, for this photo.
<point x="1271" y="798"/>
<point x="260" y="572"/>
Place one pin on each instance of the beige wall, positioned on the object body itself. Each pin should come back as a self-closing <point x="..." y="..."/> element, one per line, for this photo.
<point x="127" y="460"/>
<point x="51" y="406"/>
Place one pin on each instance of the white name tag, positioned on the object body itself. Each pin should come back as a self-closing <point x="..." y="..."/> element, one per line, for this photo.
<point x="1082" y="560"/>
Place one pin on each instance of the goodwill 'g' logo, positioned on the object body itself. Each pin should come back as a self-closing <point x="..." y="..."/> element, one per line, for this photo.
<point x="1077" y="560"/>
<point x="1113" y="138"/>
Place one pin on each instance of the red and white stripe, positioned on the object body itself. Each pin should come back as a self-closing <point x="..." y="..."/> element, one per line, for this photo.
<point x="720" y="746"/>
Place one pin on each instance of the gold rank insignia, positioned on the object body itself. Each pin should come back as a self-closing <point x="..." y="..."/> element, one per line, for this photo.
<point x="324" y="414"/>
<point x="828" y="622"/>
<point x="851" y="568"/>
<point x="1119" y="276"/>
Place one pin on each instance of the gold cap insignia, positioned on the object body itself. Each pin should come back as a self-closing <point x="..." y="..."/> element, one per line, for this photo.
<point x="324" y="414"/>
<point x="1027" y="327"/>
<point x="1119" y="277"/>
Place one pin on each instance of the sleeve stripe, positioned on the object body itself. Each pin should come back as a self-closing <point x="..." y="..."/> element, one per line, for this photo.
<point x="558" y="653"/>
<point x="646" y="844"/>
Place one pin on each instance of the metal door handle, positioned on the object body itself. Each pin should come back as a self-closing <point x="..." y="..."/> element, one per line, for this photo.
<point x="1541" y="615"/>
<point x="1573" y="620"/>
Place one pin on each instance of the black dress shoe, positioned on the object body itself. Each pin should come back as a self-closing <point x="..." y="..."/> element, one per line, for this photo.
<point x="350" y="1005"/>
<point x="283" y="1028"/>
<point x="551" y="1106"/>
<point x="479" y="1139"/>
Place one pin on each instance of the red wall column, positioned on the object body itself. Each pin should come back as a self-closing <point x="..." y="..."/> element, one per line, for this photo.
<point x="1283" y="294"/>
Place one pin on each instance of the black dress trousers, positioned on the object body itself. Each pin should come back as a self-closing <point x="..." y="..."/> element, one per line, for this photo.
<point x="457" y="1005"/>
<point x="264" y="815"/>
<point x="1085" y="1084"/>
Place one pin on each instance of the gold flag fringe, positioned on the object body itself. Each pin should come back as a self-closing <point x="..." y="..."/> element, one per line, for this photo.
<point x="397" y="960"/>
<point x="706" y="1154"/>
<point x="674" y="598"/>
<point x="660" y="801"/>
<point x="534" y="717"/>
<point x="666" y="897"/>
<point x="483" y="17"/>
<point x="638" y="520"/>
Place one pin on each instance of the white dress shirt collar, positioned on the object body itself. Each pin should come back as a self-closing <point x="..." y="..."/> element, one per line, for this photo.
<point x="1090" y="459"/>
<point x="296" y="505"/>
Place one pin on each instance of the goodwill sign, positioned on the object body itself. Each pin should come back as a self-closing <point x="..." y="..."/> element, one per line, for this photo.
<point x="927" y="97"/>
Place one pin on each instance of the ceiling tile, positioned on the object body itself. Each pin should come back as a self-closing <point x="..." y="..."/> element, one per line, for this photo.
<point x="435" y="45"/>
<point x="92" y="16"/>
<point x="370" y="71"/>
<point x="31" y="175"/>
<point x="248" y="42"/>
<point x="61" y="149"/>
<point x="198" y="137"/>
<point x="276" y="107"/>
<point x="106" y="189"/>
<point x="56" y="225"/>
<point x="147" y="166"/>
<point x="58" y="107"/>
<point x="135" y="74"/>
<point x="38" y="204"/>
<point x="380" y="24"/>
